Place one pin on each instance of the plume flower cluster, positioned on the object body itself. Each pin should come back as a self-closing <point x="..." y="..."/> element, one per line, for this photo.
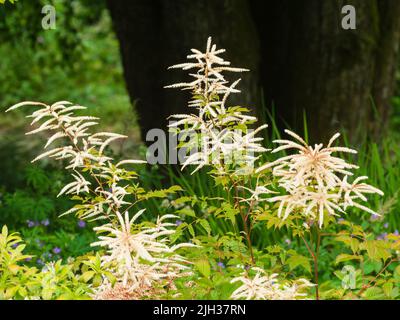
<point x="218" y="134"/>
<point x="315" y="181"/>
<point x="142" y="257"/>
<point x="137" y="254"/>
<point x="268" y="287"/>
<point x="117" y="291"/>
<point x="93" y="172"/>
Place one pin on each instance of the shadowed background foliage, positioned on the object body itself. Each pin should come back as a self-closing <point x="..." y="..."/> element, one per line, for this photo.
<point x="298" y="53"/>
<point x="301" y="60"/>
<point x="112" y="56"/>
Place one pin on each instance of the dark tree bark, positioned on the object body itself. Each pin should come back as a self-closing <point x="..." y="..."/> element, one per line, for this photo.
<point x="158" y="33"/>
<point x="305" y="61"/>
<point x="386" y="61"/>
<point x="311" y="64"/>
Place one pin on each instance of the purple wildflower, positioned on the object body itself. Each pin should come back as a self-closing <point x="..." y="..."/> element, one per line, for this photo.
<point x="396" y="232"/>
<point x="221" y="265"/>
<point x="382" y="236"/>
<point x="178" y="222"/>
<point x="386" y="225"/>
<point x="374" y="217"/>
<point x="40" y="262"/>
<point x="45" y="222"/>
<point x="56" y="250"/>
<point x="28" y="259"/>
<point x="81" y="224"/>
<point x="30" y="223"/>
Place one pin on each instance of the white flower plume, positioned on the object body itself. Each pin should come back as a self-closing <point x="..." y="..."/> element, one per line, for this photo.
<point x="136" y="254"/>
<point x="131" y="251"/>
<point x="84" y="153"/>
<point x="268" y="287"/>
<point x="315" y="181"/>
<point x="217" y="131"/>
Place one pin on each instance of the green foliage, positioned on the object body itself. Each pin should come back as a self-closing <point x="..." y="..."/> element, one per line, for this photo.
<point x="54" y="281"/>
<point x="69" y="61"/>
<point x="11" y="1"/>
<point x="205" y="202"/>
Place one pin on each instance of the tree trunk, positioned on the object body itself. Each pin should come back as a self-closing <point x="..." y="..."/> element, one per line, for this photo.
<point x="158" y="33"/>
<point x="386" y="61"/>
<point x="311" y="64"/>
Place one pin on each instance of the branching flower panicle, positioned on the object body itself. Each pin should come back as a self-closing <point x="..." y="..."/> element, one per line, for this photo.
<point x="131" y="252"/>
<point x="137" y="255"/>
<point x="219" y="134"/>
<point x="315" y="181"/>
<point x="264" y="287"/>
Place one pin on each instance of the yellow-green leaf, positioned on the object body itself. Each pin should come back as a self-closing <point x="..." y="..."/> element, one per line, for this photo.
<point x="204" y="267"/>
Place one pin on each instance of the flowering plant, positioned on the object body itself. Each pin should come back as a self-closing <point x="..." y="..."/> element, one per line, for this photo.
<point x="312" y="185"/>
<point x="172" y="256"/>
<point x="137" y="254"/>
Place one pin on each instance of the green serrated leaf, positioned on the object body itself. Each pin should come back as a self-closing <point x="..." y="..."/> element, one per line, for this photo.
<point x="204" y="223"/>
<point x="299" y="260"/>
<point x="204" y="267"/>
<point x="346" y="257"/>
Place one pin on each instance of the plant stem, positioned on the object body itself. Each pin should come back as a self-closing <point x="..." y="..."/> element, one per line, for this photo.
<point x="376" y="277"/>
<point x="316" y="263"/>
<point x="244" y="217"/>
<point x="314" y="256"/>
<point x="248" y="238"/>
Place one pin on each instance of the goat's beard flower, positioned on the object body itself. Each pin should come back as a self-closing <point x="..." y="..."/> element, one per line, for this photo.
<point x="119" y="291"/>
<point x="267" y="287"/>
<point x="136" y="254"/>
<point x="141" y="257"/>
<point x="315" y="181"/>
<point x="217" y="138"/>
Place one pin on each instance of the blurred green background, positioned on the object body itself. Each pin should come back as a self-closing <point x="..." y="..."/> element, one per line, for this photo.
<point x="80" y="62"/>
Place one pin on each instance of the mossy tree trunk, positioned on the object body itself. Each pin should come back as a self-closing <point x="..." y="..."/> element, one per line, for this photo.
<point x="310" y="63"/>
<point x="158" y="33"/>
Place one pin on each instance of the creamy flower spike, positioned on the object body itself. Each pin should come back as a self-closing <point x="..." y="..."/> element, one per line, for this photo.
<point x="310" y="163"/>
<point x="215" y="127"/>
<point x="132" y="250"/>
<point x="84" y="152"/>
<point x="316" y="181"/>
<point x="136" y="255"/>
<point x="264" y="287"/>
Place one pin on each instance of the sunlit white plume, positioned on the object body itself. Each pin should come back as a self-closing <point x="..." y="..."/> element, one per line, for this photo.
<point x="141" y="256"/>
<point x="137" y="254"/>
<point x="315" y="181"/>
<point x="219" y="134"/>
<point x="268" y="287"/>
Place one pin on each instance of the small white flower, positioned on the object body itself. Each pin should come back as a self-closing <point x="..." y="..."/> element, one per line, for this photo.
<point x="77" y="186"/>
